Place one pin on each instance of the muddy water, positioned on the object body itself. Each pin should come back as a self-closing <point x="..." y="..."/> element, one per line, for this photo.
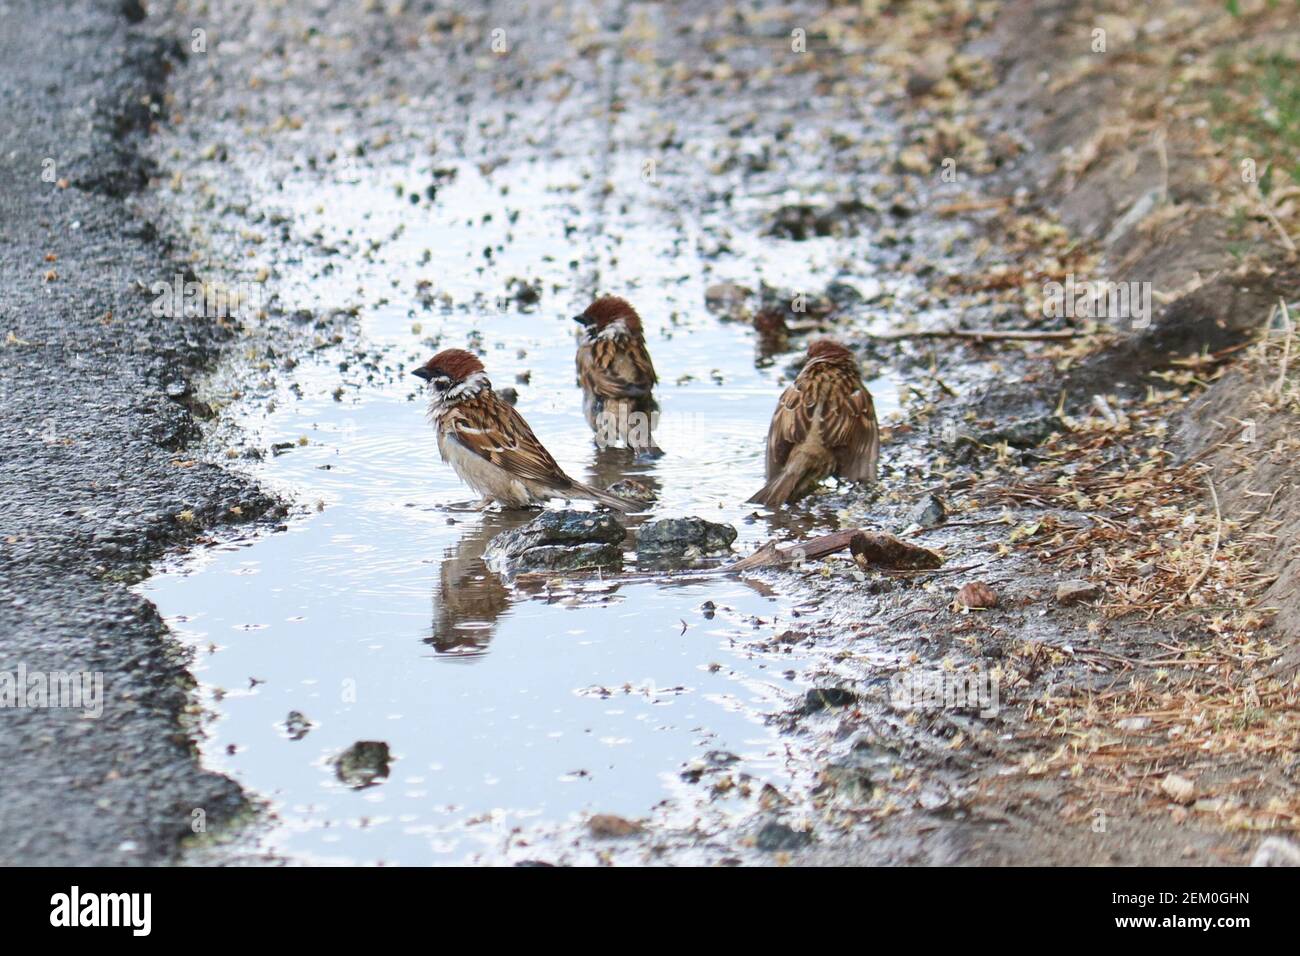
<point x="509" y="714"/>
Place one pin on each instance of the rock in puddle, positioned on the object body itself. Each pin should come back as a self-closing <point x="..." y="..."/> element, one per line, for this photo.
<point x="774" y="836"/>
<point x="712" y="761"/>
<point x="296" y="725"/>
<point x="804" y="221"/>
<point x="819" y="698"/>
<point x="676" y="539"/>
<point x="559" y="541"/>
<point x="633" y="489"/>
<point x="364" y="764"/>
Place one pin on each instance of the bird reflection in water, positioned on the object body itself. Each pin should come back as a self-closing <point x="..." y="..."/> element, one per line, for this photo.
<point x="628" y="474"/>
<point x="469" y="598"/>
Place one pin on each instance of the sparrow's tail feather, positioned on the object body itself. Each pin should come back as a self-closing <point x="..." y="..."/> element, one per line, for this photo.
<point x="786" y="483"/>
<point x="579" y="490"/>
<point x="777" y="491"/>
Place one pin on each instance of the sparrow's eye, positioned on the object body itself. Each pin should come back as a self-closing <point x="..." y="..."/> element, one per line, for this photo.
<point x="441" y="383"/>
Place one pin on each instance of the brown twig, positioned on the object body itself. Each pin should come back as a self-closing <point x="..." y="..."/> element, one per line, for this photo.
<point x="1218" y="534"/>
<point x="1261" y="203"/>
<point x="770" y="554"/>
<point x="971" y="205"/>
<point x="1026" y="335"/>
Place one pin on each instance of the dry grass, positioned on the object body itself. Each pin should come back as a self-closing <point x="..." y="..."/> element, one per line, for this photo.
<point x="1191" y="689"/>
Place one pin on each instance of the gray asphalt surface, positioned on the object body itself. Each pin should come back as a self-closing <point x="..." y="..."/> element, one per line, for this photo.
<point x="95" y="390"/>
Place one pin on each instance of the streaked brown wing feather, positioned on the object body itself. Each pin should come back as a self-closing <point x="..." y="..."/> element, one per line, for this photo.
<point x="639" y="356"/>
<point x="790" y="424"/>
<point x="492" y="429"/>
<point x="854" y="436"/>
<point x="616" y="369"/>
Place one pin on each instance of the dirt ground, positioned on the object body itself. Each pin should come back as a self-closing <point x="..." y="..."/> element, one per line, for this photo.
<point x="1156" y="723"/>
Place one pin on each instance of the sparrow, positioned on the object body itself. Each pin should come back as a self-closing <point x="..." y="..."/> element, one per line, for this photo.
<point x="824" y="424"/>
<point x="616" y="375"/>
<point x="489" y="444"/>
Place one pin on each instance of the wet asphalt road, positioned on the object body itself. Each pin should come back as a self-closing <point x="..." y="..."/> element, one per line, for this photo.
<point x="94" y="391"/>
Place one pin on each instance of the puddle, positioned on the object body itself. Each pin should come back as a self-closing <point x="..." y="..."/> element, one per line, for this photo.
<point x="509" y="715"/>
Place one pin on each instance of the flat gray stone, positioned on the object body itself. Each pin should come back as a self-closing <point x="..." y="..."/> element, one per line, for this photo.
<point x="679" y="538"/>
<point x="559" y="541"/>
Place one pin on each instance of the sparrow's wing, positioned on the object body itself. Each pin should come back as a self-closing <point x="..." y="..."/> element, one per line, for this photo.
<point x="850" y="429"/>
<point x="790" y="423"/>
<point x="492" y="429"/>
<point x="638" y="358"/>
<point x="616" y="368"/>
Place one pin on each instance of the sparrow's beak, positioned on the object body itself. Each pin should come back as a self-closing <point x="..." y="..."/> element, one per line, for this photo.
<point x="582" y="319"/>
<point x="423" y="372"/>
